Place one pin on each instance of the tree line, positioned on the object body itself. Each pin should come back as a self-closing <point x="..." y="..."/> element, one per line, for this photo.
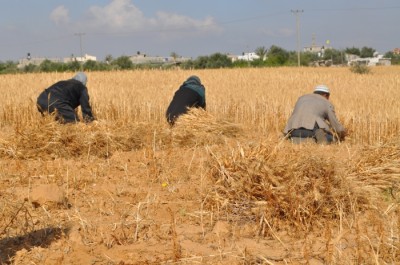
<point x="272" y="57"/>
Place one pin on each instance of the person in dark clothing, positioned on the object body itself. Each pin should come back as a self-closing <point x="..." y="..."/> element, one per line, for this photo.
<point x="64" y="97"/>
<point x="191" y="94"/>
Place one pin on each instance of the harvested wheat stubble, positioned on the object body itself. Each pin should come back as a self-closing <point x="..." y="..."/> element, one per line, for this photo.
<point x="199" y="127"/>
<point x="13" y="214"/>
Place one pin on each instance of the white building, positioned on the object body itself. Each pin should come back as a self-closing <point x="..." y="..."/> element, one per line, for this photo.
<point x="378" y="59"/>
<point x="249" y="56"/>
<point x="82" y="59"/>
<point x="320" y="50"/>
<point x="38" y="60"/>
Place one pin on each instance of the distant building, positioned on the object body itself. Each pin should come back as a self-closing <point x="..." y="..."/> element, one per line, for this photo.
<point x="351" y="57"/>
<point x="248" y="56"/>
<point x="396" y="50"/>
<point x="232" y="57"/>
<point x="318" y="49"/>
<point x="378" y="59"/>
<point x="38" y="60"/>
<point x="82" y="59"/>
<point x="141" y="58"/>
<point x="314" y="49"/>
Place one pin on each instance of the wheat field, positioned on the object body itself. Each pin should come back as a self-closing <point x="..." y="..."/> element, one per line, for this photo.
<point x="258" y="98"/>
<point x="221" y="187"/>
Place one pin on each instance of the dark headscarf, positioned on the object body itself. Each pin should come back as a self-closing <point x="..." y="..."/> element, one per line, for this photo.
<point x="194" y="83"/>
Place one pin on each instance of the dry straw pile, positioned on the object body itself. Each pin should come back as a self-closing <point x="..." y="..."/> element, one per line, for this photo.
<point x="378" y="169"/>
<point x="47" y="139"/>
<point x="300" y="188"/>
<point x="198" y="128"/>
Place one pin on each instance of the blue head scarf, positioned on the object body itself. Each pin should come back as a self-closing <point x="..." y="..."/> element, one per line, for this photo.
<point x="194" y="83"/>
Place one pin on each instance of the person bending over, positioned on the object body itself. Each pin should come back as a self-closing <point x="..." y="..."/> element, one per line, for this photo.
<point x="64" y="97"/>
<point x="190" y="94"/>
<point x="314" y="118"/>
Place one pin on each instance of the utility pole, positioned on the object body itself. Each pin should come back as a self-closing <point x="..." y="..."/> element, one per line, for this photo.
<point x="80" y="34"/>
<point x="297" y="12"/>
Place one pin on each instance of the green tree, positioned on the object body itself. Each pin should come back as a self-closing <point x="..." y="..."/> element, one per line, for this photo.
<point x="257" y="63"/>
<point x="261" y="52"/>
<point x="30" y="68"/>
<point x="336" y="56"/>
<point x="218" y="60"/>
<point x="353" y="50"/>
<point x="240" y="64"/>
<point x="102" y="66"/>
<point x="292" y="58"/>
<point x="174" y="55"/>
<point x="47" y="66"/>
<point x="188" y="64"/>
<point x="201" y="62"/>
<point x="123" y="63"/>
<point x="367" y="52"/>
<point x="8" y="67"/>
<point x="89" y="65"/>
<point x="108" y="59"/>
<point x="277" y="56"/>
<point x="73" y="66"/>
<point x="395" y="58"/>
<point x="306" y="58"/>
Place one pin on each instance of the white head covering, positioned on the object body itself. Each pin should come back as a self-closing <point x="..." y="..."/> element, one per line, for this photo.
<point x="322" y="88"/>
<point x="81" y="77"/>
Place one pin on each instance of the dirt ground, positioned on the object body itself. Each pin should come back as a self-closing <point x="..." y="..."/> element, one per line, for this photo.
<point x="152" y="205"/>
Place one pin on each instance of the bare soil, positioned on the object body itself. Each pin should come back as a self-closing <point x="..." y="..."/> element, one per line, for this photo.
<point x="154" y="205"/>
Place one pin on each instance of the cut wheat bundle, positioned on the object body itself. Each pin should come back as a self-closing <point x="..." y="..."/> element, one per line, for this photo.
<point x="292" y="185"/>
<point x="48" y="139"/>
<point x="199" y="127"/>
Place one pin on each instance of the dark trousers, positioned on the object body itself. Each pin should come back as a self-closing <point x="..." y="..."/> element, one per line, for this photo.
<point x="64" y="112"/>
<point x="317" y="135"/>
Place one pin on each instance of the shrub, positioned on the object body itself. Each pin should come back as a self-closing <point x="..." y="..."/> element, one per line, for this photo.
<point x="360" y="69"/>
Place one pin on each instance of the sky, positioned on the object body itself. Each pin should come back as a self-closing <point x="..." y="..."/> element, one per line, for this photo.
<point x="191" y="28"/>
